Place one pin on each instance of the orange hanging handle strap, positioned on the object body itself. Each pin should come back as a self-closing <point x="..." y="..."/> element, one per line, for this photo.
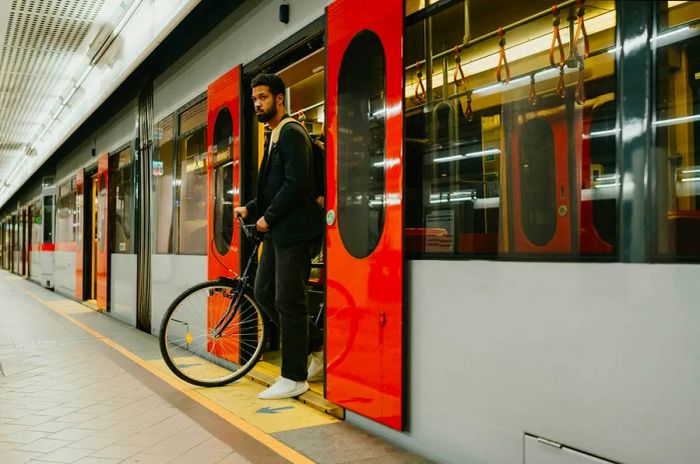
<point x="532" y="96"/>
<point x="556" y="39"/>
<point x="581" y="31"/>
<point x="502" y="60"/>
<point x="561" y="85"/>
<point x="458" y="78"/>
<point x="419" y="91"/>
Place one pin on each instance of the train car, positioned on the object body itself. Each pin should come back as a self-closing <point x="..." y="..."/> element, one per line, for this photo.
<point x="41" y="244"/>
<point x="512" y="221"/>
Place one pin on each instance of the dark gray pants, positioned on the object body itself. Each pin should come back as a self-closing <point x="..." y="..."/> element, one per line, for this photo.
<point x="280" y="285"/>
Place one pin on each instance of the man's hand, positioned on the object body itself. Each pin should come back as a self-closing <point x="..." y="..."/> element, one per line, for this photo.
<point x="241" y="211"/>
<point x="262" y="225"/>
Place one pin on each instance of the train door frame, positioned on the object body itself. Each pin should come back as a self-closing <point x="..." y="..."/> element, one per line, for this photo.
<point x="299" y="45"/>
<point x="80" y="235"/>
<point x="103" y="236"/>
<point x="90" y="235"/>
<point x="27" y="240"/>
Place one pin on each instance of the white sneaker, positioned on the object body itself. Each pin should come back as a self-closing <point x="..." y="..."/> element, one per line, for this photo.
<point x="316" y="365"/>
<point x="284" y="388"/>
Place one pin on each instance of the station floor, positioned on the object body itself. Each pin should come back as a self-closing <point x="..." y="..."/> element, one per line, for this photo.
<point x="77" y="386"/>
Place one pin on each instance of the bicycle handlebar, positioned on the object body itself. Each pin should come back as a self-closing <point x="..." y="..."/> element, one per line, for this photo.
<point x="249" y="230"/>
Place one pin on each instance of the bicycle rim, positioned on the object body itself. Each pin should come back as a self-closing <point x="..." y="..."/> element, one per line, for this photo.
<point x="203" y="344"/>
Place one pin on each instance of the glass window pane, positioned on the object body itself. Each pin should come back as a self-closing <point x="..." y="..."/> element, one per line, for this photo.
<point x="523" y="168"/>
<point x="163" y="176"/>
<point x="37" y="223"/>
<point x="48" y="219"/>
<point x="194" y="116"/>
<point x="66" y="210"/>
<point x="677" y="127"/>
<point x="191" y="193"/>
<point x="223" y="181"/>
<point x="121" y="206"/>
<point x="361" y="144"/>
<point x="676" y="13"/>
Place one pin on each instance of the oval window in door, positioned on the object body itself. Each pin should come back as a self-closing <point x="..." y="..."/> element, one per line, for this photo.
<point x="361" y="144"/>
<point x="223" y="181"/>
<point x="538" y="182"/>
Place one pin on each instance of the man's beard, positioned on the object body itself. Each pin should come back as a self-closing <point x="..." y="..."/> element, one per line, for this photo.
<point x="266" y="116"/>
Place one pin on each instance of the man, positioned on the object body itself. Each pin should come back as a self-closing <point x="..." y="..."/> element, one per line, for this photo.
<point x="293" y="225"/>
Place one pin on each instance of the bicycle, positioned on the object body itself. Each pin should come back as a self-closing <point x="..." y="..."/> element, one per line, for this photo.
<point x="214" y="332"/>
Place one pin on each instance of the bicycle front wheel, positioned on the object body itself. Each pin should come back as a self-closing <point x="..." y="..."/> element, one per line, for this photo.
<point x="212" y="334"/>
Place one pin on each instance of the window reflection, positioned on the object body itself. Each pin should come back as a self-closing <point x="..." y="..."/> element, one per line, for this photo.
<point x="677" y="126"/>
<point x="524" y="167"/>
<point x="121" y="198"/>
<point x="223" y="181"/>
<point x="191" y="192"/>
<point x="361" y="144"/>
<point x="163" y="177"/>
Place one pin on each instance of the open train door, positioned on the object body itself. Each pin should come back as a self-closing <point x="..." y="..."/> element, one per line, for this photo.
<point x="223" y="183"/>
<point x="80" y="222"/>
<point x="102" y="232"/>
<point x="364" y="116"/>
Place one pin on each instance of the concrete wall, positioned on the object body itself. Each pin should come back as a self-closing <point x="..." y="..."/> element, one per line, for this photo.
<point x="601" y="357"/>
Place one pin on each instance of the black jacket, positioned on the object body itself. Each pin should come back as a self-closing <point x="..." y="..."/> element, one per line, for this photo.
<point x="284" y="189"/>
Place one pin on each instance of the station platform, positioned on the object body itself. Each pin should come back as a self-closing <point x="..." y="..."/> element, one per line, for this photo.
<point x="77" y="386"/>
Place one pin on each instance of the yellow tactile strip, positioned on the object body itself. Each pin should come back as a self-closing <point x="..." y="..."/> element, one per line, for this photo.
<point x="240" y="397"/>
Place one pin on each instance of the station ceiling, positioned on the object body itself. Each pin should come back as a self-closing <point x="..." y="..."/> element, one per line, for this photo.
<point x="59" y="60"/>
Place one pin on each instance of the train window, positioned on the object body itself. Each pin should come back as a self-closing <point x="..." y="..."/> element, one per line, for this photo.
<point x="361" y="144"/>
<point x="163" y="177"/>
<point x="65" y="229"/>
<point x="121" y="197"/>
<point x="193" y="117"/>
<point x="510" y="146"/>
<point x="677" y="126"/>
<point x="191" y="192"/>
<point x="36" y="221"/>
<point x="48" y="219"/>
<point x="223" y="181"/>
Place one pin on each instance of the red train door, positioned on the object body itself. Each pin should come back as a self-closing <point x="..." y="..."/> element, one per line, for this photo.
<point x="223" y="177"/>
<point x="364" y="289"/>
<point x="223" y="184"/>
<point x="541" y="180"/>
<point x="102" y="232"/>
<point x="79" y="208"/>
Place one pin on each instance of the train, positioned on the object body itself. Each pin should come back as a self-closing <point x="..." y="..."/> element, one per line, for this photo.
<point x="512" y="238"/>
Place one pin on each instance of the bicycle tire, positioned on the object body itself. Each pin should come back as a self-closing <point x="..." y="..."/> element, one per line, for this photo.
<point x="188" y="341"/>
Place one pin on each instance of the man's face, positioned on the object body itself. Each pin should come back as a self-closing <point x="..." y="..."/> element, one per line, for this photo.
<point x="264" y="102"/>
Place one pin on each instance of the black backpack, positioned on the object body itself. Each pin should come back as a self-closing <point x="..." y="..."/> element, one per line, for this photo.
<point x="318" y="162"/>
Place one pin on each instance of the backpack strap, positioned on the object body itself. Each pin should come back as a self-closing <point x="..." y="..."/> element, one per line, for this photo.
<point x="275" y="135"/>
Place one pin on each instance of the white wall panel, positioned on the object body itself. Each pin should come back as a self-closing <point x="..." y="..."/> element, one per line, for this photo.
<point x="171" y="275"/>
<point x="35" y="266"/>
<point x="602" y="357"/>
<point x="64" y="273"/>
<point x="122" y="279"/>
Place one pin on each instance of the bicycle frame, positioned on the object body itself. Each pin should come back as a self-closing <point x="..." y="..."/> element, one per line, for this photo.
<point x="240" y="284"/>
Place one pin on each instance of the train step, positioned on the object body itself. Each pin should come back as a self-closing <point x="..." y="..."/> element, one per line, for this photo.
<point x="265" y="374"/>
